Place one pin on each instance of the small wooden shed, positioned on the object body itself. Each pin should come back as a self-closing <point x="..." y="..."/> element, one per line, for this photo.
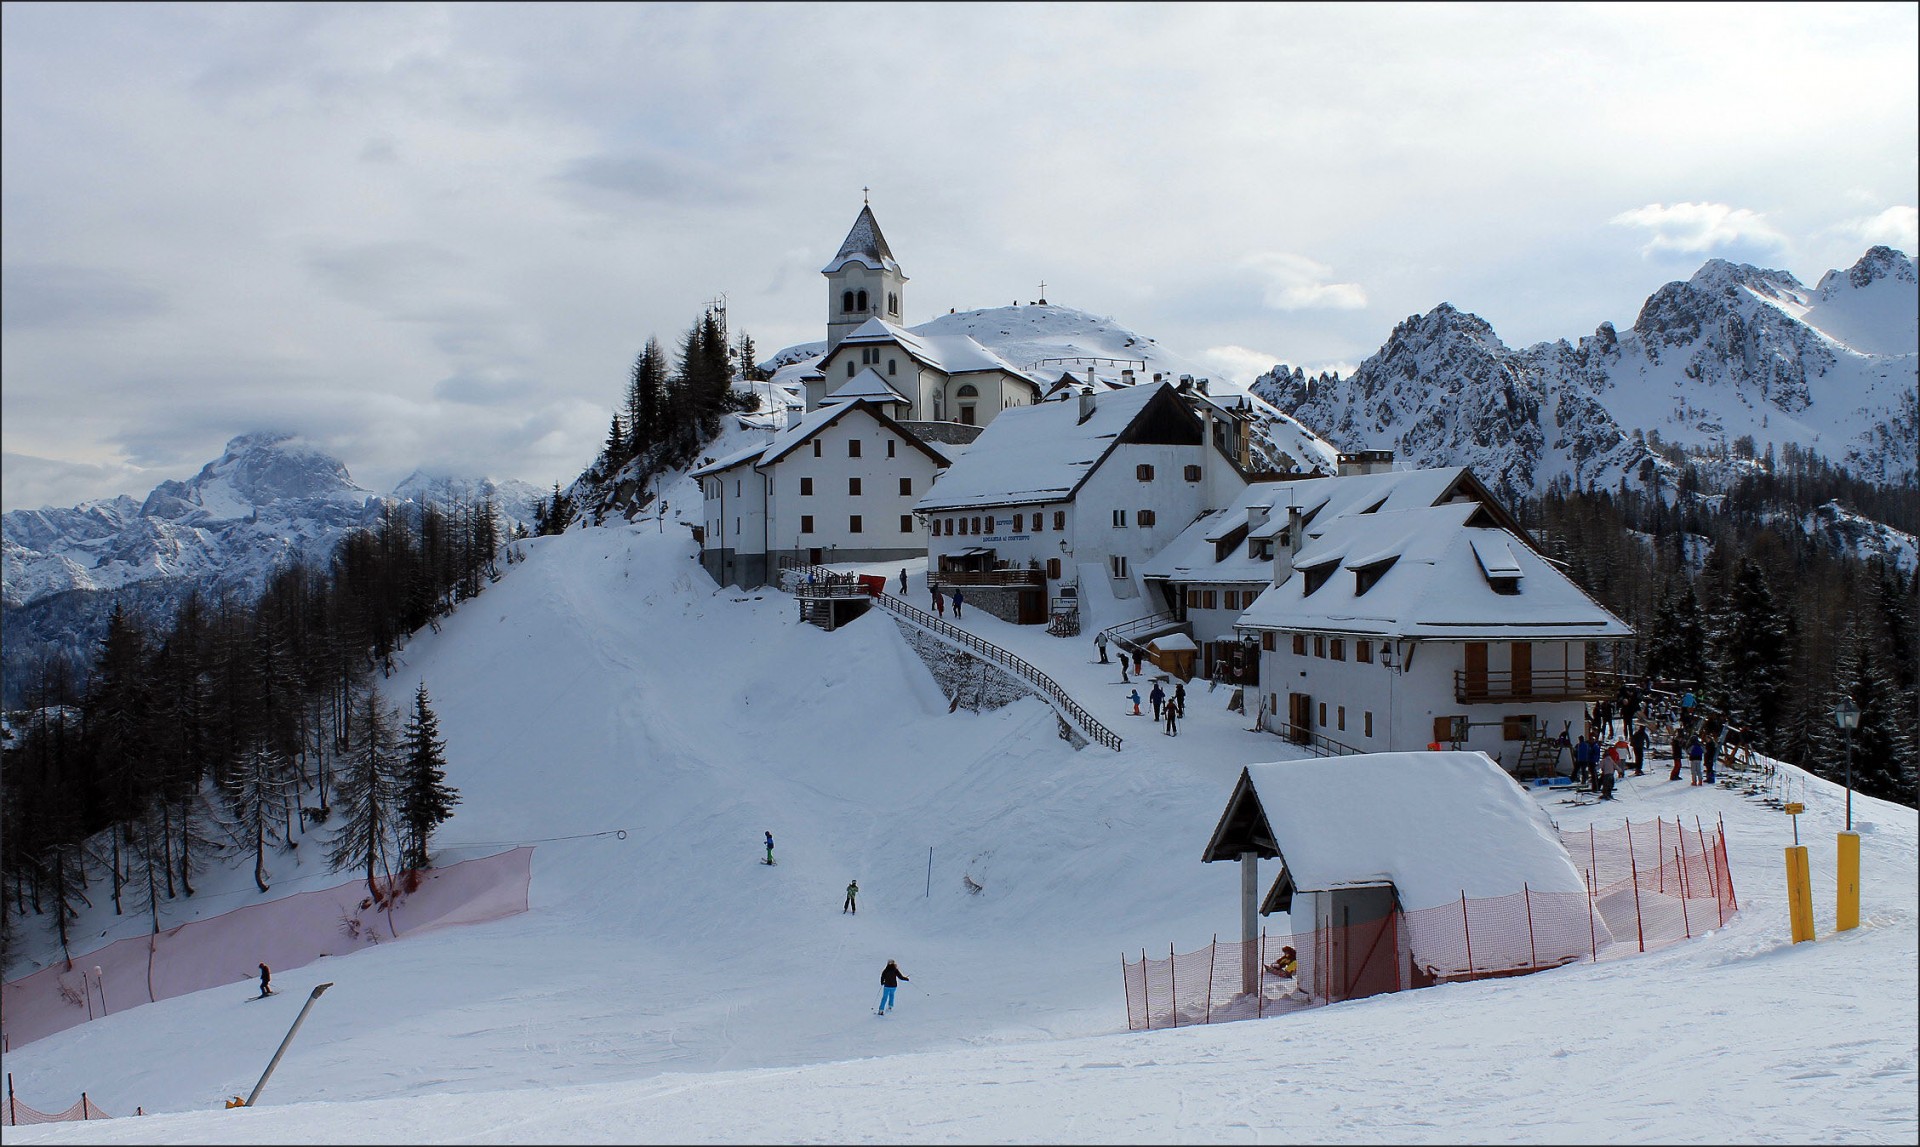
<point x="1364" y="840"/>
<point x="1175" y="653"/>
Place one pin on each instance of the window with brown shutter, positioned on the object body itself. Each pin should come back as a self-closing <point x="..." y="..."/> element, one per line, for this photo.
<point x="1144" y="472"/>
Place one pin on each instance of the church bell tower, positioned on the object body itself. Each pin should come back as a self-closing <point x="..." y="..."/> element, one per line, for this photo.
<point x="863" y="281"/>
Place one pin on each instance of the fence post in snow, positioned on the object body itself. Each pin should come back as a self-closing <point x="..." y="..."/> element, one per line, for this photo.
<point x="1633" y="866"/>
<point x="1660" y="849"/>
<point x="1466" y="929"/>
<point x="1593" y="936"/>
<point x="1145" y="999"/>
<point x="1533" y="957"/>
<point x="1213" y="952"/>
<point x="1720" y="846"/>
<point x="1685" y="924"/>
<point x="1173" y="986"/>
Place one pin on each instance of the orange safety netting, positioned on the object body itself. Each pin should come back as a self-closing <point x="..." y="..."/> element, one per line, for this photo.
<point x="17" y="1114"/>
<point x="1648" y="885"/>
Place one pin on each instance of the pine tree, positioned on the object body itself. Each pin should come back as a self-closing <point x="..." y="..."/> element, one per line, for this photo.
<point x="646" y="398"/>
<point x="426" y="800"/>
<point x="256" y="795"/>
<point x="1753" y="654"/>
<point x="365" y="794"/>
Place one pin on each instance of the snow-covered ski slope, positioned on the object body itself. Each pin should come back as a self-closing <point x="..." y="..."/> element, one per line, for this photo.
<point x="669" y="988"/>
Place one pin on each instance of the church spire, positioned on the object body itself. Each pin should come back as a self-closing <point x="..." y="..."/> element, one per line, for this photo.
<point x="865" y="243"/>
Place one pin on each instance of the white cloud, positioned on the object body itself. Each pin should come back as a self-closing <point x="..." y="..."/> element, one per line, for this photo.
<point x="1297" y="283"/>
<point x="1896" y="227"/>
<point x="1238" y="362"/>
<point x="1697" y="228"/>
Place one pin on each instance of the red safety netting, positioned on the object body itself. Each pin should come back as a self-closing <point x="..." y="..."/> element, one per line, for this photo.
<point x="1649" y="885"/>
<point x="286" y="933"/>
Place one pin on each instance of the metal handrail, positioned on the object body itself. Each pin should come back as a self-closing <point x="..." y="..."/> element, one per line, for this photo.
<point x="1114" y="632"/>
<point x="1071" y="709"/>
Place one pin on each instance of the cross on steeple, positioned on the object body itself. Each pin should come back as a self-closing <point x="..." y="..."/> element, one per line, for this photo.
<point x="1043" y="288"/>
<point x="864" y="202"/>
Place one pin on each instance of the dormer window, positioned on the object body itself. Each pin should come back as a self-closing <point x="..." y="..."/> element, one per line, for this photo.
<point x="1505" y="586"/>
<point x="1317" y="577"/>
<point x="1366" y="577"/>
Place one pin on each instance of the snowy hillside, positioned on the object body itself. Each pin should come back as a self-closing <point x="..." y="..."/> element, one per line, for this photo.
<point x="669" y="988"/>
<point x="1734" y="352"/>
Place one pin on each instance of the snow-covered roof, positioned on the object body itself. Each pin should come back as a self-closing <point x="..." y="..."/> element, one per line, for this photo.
<point x="1261" y="509"/>
<point x="869" y="384"/>
<point x="949" y="353"/>
<point x="1038" y="453"/>
<point x="1432" y="581"/>
<point x="1434" y="825"/>
<point x="802" y="430"/>
<point x="864" y="244"/>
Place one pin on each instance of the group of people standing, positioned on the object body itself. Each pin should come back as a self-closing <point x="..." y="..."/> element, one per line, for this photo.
<point x="1693" y="738"/>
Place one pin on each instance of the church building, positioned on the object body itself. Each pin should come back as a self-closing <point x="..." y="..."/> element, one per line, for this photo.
<point x="947" y="378"/>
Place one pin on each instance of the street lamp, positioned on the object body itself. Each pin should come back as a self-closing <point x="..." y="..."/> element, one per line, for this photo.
<point x="1847" y="716"/>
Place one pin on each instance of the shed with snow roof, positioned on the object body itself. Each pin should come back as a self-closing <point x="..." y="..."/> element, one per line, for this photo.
<point x="1377" y="850"/>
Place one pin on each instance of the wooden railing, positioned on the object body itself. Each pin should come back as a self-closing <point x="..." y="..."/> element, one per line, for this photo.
<point x="1066" y="706"/>
<point x="1539" y="685"/>
<point x="1010" y="576"/>
<point x="1122" y="633"/>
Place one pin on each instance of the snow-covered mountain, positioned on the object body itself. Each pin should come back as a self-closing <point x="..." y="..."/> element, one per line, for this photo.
<point x="1735" y="352"/>
<point x="267" y="499"/>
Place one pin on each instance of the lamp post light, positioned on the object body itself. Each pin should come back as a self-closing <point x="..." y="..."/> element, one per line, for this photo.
<point x="1847" y="716"/>
<point x="1847" y="885"/>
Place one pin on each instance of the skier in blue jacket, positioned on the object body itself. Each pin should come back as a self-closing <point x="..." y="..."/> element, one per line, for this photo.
<point x="890" y="977"/>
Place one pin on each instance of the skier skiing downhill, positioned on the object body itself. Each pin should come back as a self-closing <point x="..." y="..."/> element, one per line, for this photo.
<point x="769" y="859"/>
<point x="890" y="977"/>
<point x="266" y="982"/>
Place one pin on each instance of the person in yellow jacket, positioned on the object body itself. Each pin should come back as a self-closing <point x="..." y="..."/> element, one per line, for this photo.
<point x="853" y="890"/>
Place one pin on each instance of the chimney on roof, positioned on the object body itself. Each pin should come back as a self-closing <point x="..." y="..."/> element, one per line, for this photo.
<point x="1201" y="385"/>
<point x="1186" y="382"/>
<point x="1126" y="375"/>
<point x="1156" y="376"/>
<point x="1089" y="375"/>
<point x="1086" y="403"/>
<point x="1283" y="558"/>
<point x="1257" y="517"/>
<point x="1364" y="462"/>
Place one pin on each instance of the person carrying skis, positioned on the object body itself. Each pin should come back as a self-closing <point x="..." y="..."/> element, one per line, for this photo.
<point x="266" y="982"/>
<point x="890" y="977"/>
<point x="769" y="848"/>
<point x="853" y="890"/>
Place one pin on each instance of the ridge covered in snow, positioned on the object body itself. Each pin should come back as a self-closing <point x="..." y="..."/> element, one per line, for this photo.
<point x="1735" y="352"/>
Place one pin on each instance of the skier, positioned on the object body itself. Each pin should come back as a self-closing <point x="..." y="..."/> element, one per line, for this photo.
<point x="1695" y="752"/>
<point x="769" y="859"/>
<point x="1100" y="643"/>
<point x="890" y="977"/>
<point x="1158" y="697"/>
<point x="1609" y="768"/>
<point x="1640" y="741"/>
<point x="266" y="982"/>
<point x="1173" y="719"/>
<point x="1180" y="697"/>
<point x="853" y="890"/>
<point x="1135" y="698"/>
<point x="1287" y="964"/>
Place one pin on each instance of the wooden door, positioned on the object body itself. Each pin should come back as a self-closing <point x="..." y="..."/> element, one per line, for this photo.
<point x="1299" y="717"/>
<point x="1363" y="942"/>
<point x="1476" y="669"/>
<point x="1522" y="669"/>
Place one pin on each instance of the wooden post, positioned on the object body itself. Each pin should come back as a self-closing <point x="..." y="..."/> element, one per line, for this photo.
<point x="1213" y="953"/>
<point x="1533" y="956"/>
<point x="1173" y="986"/>
<point x="1799" y="894"/>
<point x="1593" y="936"/>
<point x="1249" y="921"/>
<point x="1633" y="867"/>
<point x="1467" y="929"/>
<point x="1846" y="915"/>
<point x="1685" y="923"/>
<point x="1726" y="872"/>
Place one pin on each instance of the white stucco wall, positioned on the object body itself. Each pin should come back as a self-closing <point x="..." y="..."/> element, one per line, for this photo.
<point x="880" y="503"/>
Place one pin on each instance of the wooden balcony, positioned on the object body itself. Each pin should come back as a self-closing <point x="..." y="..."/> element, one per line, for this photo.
<point x="1490" y="688"/>
<point x="1010" y="576"/>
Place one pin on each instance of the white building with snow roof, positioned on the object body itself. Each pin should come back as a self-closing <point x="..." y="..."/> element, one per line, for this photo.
<point x="1109" y="478"/>
<point x="1380" y="853"/>
<point x="945" y="377"/>
<point x="1409" y="611"/>
<point x="837" y="485"/>
<point x="1213" y="572"/>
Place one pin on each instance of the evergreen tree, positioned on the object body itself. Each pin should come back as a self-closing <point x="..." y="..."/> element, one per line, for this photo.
<point x="646" y="398"/>
<point x="365" y="794"/>
<point x="256" y="794"/>
<point x="426" y="800"/>
<point x="1753" y="654"/>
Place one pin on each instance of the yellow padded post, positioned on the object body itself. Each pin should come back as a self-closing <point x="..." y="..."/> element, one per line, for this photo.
<point x="1846" y="914"/>
<point x="1799" y="893"/>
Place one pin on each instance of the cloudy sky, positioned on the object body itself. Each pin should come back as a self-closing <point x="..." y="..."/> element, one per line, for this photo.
<point x="438" y="235"/>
